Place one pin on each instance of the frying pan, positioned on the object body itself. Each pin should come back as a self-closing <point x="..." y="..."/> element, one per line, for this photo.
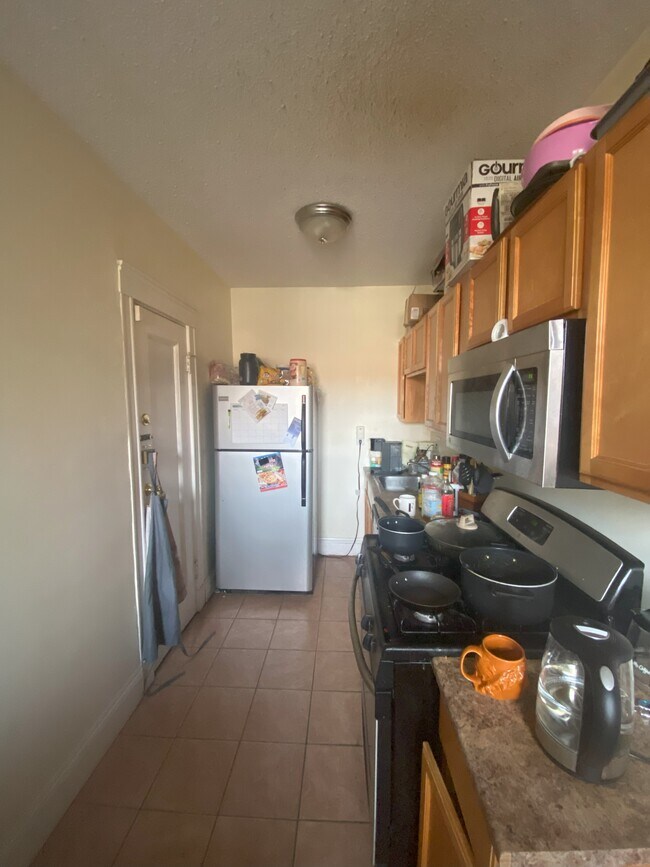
<point x="422" y="591"/>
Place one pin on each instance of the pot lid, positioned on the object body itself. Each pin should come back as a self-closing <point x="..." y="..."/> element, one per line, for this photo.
<point x="450" y="533"/>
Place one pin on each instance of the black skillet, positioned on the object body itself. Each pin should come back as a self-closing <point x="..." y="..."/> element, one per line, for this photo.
<point x="422" y="591"/>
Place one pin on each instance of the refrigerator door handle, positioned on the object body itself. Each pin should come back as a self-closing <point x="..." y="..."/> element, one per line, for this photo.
<point x="303" y="460"/>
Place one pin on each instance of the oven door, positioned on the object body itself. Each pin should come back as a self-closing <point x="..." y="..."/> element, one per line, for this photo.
<point x="376" y="716"/>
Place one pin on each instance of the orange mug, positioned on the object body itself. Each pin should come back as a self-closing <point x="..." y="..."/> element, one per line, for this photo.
<point x="500" y="668"/>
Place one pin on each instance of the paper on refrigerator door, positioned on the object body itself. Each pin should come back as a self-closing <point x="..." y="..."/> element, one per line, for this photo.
<point x="247" y="431"/>
<point x="270" y="472"/>
<point x="258" y="404"/>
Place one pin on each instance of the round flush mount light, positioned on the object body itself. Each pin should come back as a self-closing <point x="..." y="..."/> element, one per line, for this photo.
<point x="323" y="222"/>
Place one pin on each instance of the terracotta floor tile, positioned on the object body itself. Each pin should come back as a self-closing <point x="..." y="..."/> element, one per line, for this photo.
<point x="296" y="607"/>
<point x="203" y="626"/>
<point x="333" y="635"/>
<point x="251" y="843"/>
<point x="279" y="715"/>
<point x="333" y="844"/>
<point x="236" y="667"/>
<point x="340" y="567"/>
<point x="193" y="776"/>
<point x="265" y="781"/>
<point x="337" y="585"/>
<point x="263" y="606"/>
<point x="166" y="840"/>
<point x="255" y="634"/>
<point x="161" y="715"/>
<point x="223" y="605"/>
<point x="335" y="718"/>
<point x="87" y="834"/>
<point x="334" y="784"/>
<point x="295" y="635"/>
<point x="287" y="669"/>
<point x="336" y="670"/>
<point x="194" y="668"/>
<point x="125" y="774"/>
<point x="334" y="608"/>
<point x="218" y="712"/>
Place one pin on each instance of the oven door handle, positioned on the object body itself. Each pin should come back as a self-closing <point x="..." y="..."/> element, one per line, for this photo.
<point x="364" y="671"/>
<point x="495" y="412"/>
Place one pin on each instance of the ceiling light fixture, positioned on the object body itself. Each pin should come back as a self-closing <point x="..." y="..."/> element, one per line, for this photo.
<point x="324" y="222"/>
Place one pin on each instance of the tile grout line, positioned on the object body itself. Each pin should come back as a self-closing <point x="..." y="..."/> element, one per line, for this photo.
<point x="304" y="755"/>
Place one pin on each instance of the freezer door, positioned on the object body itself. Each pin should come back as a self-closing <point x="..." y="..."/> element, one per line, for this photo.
<point x="264" y="539"/>
<point x="235" y="429"/>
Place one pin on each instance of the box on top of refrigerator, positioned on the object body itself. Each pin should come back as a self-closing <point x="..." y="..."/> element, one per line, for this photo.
<point x="478" y="211"/>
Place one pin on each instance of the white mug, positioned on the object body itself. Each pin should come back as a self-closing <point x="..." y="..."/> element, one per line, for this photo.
<point x="406" y="503"/>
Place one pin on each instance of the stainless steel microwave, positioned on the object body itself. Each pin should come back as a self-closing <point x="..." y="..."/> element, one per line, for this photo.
<point x="515" y="404"/>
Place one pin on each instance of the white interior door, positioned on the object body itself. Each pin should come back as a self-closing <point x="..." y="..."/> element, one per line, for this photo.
<point x="162" y="401"/>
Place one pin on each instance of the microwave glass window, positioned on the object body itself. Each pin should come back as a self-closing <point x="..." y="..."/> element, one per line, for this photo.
<point x="470" y="408"/>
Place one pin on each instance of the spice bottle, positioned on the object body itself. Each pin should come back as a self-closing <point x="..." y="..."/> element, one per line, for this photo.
<point x="431" y="499"/>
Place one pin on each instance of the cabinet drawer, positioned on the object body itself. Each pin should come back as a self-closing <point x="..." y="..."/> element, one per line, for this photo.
<point x="545" y="256"/>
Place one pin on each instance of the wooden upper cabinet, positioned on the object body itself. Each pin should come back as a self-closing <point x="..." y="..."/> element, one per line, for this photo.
<point x="615" y="446"/>
<point x="545" y="268"/>
<point x="483" y="296"/>
<point x="401" y="348"/>
<point x="419" y="346"/>
<point x="432" y="362"/>
<point x="447" y="346"/>
<point x="407" y="353"/>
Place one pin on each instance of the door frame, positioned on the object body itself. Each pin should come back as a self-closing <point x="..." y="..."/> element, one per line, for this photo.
<point x="135" y="288"/>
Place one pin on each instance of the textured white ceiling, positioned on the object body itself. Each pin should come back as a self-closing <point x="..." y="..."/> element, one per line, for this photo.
<point x="228" y="115"/>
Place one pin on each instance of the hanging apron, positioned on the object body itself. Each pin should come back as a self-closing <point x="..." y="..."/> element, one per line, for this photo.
<point x="160" y="618"/>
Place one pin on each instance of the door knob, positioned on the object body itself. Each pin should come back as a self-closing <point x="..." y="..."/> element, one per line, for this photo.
<point x="145" y="419"/>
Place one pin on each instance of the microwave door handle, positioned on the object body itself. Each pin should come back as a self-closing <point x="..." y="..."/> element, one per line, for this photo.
<point x="495" y="412"/>
<point x="522" y="428"/>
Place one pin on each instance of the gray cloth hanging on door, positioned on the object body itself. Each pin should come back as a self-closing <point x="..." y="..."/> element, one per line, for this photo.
<point x="160" y="618"/>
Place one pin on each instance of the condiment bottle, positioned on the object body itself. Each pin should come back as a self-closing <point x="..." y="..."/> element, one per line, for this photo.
<point x="431" y="499"/>
<point x="446" y="468"/>
<point x="436" y="464"/>
<point x="448" y="500"/>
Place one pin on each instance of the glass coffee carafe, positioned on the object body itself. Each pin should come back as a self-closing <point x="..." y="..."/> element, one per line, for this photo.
<point x="585" y="698"/>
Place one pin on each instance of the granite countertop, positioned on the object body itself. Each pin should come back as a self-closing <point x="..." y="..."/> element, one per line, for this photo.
<point x="538" y="814"/>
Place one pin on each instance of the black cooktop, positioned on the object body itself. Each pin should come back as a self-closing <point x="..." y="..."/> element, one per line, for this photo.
<point x="403" y="635"/>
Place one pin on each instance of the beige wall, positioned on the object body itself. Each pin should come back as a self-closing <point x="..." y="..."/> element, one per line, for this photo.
<point x="349" y="336"/>
<point x="68" y="636"/>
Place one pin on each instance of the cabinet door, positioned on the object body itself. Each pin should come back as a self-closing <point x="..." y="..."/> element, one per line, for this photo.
<point x="419" y="345"/>
<point x="485" y="291"/>
<point x="408" y="352"/>
<point x="545" y="271"/>
<point x="401" y="348"/>
<point x="448" y="319"/>
<point x="442" y="839"/>
<point x="615" y="447"/>
<point x="432" y="368"/>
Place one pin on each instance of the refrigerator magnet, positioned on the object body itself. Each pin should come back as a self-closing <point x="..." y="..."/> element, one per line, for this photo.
<point x="270" y="472"/>
<point x="293" y="432"/>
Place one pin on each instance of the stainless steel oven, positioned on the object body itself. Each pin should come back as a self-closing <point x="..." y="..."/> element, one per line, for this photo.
<point x="515" y="404"/>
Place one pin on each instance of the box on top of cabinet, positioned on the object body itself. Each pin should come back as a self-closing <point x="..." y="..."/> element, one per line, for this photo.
<point x="478" y="211"/>
<point x="417" y="305"/>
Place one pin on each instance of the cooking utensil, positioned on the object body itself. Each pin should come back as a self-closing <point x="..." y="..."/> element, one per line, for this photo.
<point x="562" y="144"/>
<point x="585" y="711"/>
<point x="451" y="536"/>
<point x="383" y="505"/>
<point x="400" y="534"/>
<point x="510" y="586"/>
<point x="422" y="591"/>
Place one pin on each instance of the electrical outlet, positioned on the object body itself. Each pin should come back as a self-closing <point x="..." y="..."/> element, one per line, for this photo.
<point x="361" y="433"/>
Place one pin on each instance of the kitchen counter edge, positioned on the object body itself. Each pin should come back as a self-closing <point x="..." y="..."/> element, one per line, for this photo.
<point x="538" y="814"/>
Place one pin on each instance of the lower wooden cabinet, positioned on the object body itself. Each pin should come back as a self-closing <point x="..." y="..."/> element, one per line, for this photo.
<point x="443" y="842"/>
<point x="453" y="828"/>
<point x="367" y="524"/>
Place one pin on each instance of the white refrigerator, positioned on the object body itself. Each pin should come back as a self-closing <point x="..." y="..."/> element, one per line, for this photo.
<point x="264" y="487"/>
